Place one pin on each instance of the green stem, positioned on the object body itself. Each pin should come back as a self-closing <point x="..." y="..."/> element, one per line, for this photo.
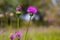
<point x="18" y="39"/>
<point x="27" y="28"/>
<point x="18" y="23"/>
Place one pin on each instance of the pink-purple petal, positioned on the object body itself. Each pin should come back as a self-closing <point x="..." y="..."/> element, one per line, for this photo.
<point x="31" y="9"/>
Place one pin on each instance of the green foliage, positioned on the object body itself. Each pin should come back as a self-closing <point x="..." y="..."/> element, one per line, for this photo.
<point x="23" y="3"/>
<point x="1" y="2"/>
<point x="50" y="34"/>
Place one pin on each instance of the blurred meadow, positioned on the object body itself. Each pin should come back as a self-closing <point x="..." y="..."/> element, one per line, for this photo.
<point x="44" y="25"/>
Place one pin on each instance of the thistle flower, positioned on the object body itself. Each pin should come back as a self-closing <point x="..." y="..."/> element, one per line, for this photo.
<point x="31" y="9"/>
<point x="12" y="36"/>
<point x="18" y="8"/>
<point x="18" y="34"/>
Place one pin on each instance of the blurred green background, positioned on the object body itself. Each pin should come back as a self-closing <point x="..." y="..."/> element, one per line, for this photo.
<point x="40" y="28"/>
<point x="8" y="10"/>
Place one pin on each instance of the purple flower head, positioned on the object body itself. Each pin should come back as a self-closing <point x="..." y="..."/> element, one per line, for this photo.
<point x="31" y="9"/>
<point x="12" y="36"/>
<point x="18" y="8"/>
<point x="18" y="34"/>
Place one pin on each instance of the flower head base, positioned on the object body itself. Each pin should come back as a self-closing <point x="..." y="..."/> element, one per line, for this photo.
<point x="18" y="34"/>
<point x="18" y="12"/>
<point x="12" y="36"/>
<point x="18" y="8"/>
<point x="31" y="9"/>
